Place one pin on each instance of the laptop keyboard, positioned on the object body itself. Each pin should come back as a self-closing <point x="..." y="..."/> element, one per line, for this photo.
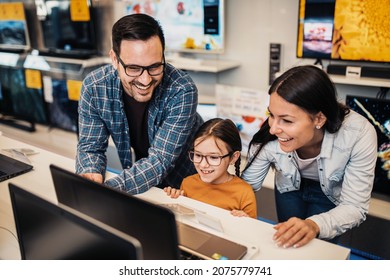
<point x="188" y="256"/>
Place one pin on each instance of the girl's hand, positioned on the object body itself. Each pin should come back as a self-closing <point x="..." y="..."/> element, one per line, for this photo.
<point x="173" y="193"/>
<point x="295" y="232"/>
<point x="239" y="213"/>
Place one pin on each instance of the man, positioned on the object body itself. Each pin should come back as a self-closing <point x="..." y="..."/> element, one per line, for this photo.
<point x="142" y="103"/>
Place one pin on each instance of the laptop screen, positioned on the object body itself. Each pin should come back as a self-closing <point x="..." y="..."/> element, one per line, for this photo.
<point x="54" y="232"/>
<point x="153" y="225"/>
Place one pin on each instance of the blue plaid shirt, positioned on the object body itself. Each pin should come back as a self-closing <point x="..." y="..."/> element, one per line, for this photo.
<point x="172" y="122"/>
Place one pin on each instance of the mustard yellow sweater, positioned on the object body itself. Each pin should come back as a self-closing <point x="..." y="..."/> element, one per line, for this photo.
<point x="233" y="195"/>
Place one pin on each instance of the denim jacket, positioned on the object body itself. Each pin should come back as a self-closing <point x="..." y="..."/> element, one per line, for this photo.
<point x="346" y="167"/>
<point x="172" y="123"/>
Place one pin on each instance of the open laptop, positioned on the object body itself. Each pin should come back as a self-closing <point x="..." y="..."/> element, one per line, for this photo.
<point x="154" y="225"/>
<point x="56" y="232"/>
<point x="10" y="167"/>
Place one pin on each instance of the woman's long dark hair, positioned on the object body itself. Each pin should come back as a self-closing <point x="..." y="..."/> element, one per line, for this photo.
<point x="226" y="131"/>
<point x="309" y="88"/>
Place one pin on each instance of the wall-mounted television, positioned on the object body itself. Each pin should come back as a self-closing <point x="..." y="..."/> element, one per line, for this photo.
<point x="344" y="30"/>
<point x="68" y="28"/>
<point x="377" y="111"/>
<point x="188" y="25"/>
<point x="14" y="34"/>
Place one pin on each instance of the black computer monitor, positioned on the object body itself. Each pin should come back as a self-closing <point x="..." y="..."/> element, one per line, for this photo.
<point x="56" y="232"/>
<point x="153" y="225"/>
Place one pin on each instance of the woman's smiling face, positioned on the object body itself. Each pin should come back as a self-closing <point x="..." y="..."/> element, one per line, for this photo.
<point x="294" y="127"/>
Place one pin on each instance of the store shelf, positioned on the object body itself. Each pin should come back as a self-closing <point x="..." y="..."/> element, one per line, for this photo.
<point x="362" y="81"/>
<point x="202" y="65"/>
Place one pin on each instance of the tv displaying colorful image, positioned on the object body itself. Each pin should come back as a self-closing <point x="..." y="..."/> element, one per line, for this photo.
<point x="350" y="30"/>
<point x="377" y="111"/>
<point x="13" y="28"/>
<point x="188" y="25"/>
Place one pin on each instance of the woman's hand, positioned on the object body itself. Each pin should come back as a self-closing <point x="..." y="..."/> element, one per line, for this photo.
<point x="295" y="232"/>
<point x="173" y="193"/>
<point x="239" y="213"/>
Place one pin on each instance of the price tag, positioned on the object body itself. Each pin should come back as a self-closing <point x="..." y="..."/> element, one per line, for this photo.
<point x="79" y="10"/>
<point x="33" y="79"/>
<point x="74" y="89"/>
<point x="12" y="11"/>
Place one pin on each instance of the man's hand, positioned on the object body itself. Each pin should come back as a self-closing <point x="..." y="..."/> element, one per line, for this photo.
<point x="96" y="177"/>
<point x="295" y="232"/>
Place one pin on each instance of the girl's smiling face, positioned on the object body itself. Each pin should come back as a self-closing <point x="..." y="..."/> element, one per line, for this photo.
<point x="213" y="147"/>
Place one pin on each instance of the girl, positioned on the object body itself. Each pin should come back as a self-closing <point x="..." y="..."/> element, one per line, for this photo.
<point x="217" y="145"/>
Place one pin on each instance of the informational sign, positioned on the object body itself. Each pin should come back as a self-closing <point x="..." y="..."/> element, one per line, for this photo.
<point x="79" y="10"/>
<point x="247" y="108"/>
<point x="74" y="89"/>
<point x="33" y="79"/>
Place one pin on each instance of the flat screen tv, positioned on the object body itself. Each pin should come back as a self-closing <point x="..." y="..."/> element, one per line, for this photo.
<point x="344" y="30"/>
<point x="14" y="34"/>
<point x="68" y="31"/>
<point x="62" y="111"/>
<point x="19" y="101"/>
<point x="188" y="25"/>
<point x="377" y="111"/>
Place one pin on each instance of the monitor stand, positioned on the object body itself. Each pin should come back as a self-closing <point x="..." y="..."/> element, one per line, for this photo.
<point x="17" y="123"/>
<point x="318" y="63"/>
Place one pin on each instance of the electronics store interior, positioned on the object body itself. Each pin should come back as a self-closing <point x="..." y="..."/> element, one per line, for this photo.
<point x="233" y="51"/>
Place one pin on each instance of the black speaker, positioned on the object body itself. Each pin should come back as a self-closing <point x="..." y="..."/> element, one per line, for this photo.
<point x="366" y="71"/>
<point x="274" y="61"/>
<point x="376" y="72"/>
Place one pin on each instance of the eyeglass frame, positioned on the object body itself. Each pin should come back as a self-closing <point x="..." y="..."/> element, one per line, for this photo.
<point x="205" y="157"/>
<point x="142" y="67"/>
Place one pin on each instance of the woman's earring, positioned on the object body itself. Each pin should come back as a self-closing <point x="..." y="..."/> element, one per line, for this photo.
<point x="318" y="127"/>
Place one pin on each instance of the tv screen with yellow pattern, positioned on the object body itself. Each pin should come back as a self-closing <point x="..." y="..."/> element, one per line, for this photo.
<point x="351" y="30"/>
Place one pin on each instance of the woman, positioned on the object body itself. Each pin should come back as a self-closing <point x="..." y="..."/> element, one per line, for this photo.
<point x="324" y="157"/>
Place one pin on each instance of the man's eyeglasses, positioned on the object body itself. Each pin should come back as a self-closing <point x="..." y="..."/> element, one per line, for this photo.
<point x="210" y="159"/>
<point x="133" y="70"/>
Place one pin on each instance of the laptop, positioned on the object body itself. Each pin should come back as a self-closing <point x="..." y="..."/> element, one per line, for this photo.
<point x="10" y="167"/>
<point x="154" y="225"/>
<point x="56" y="232"/>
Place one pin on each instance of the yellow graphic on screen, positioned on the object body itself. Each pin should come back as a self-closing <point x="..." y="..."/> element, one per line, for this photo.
<point x="361" y="30"/>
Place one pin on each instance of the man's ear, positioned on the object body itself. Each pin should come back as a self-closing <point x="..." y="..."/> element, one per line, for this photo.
<point x="114" y="59"/>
